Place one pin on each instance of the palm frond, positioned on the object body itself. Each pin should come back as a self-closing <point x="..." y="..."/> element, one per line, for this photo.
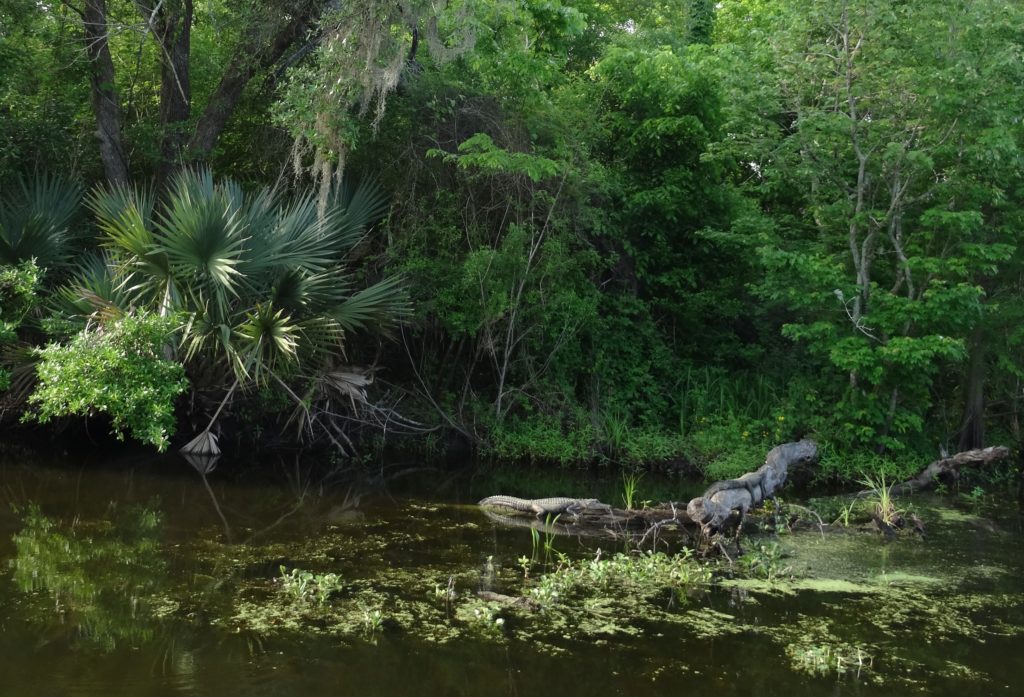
<point x="125" y="218"/>
<point x="260" y="211"/>
<point x="353" y="209"/>
<point x="93" y="290"/>
<point x="351" y="383"/>
<point x="322" y="340"/>
<point x="384" y="302"/>
<point x="203" y="240"/>
<point x="267" y="339"/>
<point x="299" y="291"/>
<point x="34" y="220"/>
<point x="304" y="239"/>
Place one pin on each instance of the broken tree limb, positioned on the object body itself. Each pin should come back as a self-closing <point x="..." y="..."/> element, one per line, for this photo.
<point x="946" y="470"/>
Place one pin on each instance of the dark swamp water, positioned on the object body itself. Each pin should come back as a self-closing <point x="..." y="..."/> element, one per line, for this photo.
<point x="145" y="577"/>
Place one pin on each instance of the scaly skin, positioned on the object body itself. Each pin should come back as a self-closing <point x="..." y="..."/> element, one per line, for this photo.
<point x="542" y="507"/>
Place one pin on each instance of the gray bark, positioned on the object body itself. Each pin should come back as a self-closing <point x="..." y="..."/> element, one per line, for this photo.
<point x="751" y="489"/>
<point x="106" y="106"/>
<point x="170" y="22"/>
<point x="261" y="50"/>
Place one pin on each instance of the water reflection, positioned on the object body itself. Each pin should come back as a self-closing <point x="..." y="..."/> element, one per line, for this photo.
<point x="101" y="578"/>
<point x="184" y="596"/>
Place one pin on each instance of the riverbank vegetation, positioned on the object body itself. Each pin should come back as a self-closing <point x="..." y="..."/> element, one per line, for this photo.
<point x="643" y="233"/>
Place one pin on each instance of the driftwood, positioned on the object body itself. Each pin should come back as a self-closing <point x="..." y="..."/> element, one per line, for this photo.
<point x="709" y="511"/>
<point x="751" y="489"/>
<point x="946" y="470"/>
<point x="723" y="504"/>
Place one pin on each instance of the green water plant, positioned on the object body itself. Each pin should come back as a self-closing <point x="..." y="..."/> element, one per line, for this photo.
<point x="845" y="511"/>
<point x="881" y="498"/>
<point x="766" y="561"/>
<point x="549" y="535"/>
<point x="630" y="486"/>
<point x="824" y="659"/>
<point x="306" y="586"/>
<point x="974" y="497"/>
<point x="373" y="620"/>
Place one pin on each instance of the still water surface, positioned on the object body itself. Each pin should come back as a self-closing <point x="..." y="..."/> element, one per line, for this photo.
<point x="143" y="576"/>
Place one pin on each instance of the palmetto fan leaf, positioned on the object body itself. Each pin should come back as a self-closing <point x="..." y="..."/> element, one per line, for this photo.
<point x="93" y="289"/>
<point x="322" y="340"/>
<point x="353" y="208"/>
<point x="299" y="291"/>
<point x="304" y="239"/>
<point x="267" y="340"/>
<point x="34" y="219"/>
<point x="203" y="239"/>
<point x="125" y="217"/>
<point x="376" y="305"/>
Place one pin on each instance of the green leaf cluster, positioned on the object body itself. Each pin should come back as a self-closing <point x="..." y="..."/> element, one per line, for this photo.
<point x="117" y="369"/>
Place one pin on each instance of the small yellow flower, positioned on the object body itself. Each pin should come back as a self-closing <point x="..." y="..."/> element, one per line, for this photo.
<point x="782" y="418"/>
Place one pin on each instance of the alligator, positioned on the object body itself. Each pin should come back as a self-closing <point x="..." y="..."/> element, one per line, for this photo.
<point x="545" y="507"/>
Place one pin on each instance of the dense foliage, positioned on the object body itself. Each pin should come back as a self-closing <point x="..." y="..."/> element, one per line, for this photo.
<point x="633" y="231"/>
<point x="116" y="370"/>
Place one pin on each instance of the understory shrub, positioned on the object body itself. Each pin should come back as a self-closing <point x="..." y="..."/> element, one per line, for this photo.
<point x="116" y="369"/>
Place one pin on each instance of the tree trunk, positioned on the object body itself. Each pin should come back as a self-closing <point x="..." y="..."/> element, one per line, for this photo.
<point x="105" y="103"/>
<point x="259" y="52"/>
<point x="172" y="28"/>
<point x="972" y="426"/>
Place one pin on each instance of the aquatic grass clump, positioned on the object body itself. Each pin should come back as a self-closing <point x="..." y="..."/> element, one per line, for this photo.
<point x="643" y="575"/>
<point x="825" y="659"/>
<point x="630" y="487"/>
<point x="306" y="586"/>
<point x="881" y="496"/>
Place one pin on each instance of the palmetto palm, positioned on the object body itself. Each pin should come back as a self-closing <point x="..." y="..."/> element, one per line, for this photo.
<point x="261" y="282"/>
<point x="35" y="214"/>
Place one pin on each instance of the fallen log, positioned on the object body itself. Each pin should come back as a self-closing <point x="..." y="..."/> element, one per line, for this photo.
<point x="570" y="515"/>
<point x="718" y="502"/>
<point x="945" y="470"/>
<point x="722" y="504"/>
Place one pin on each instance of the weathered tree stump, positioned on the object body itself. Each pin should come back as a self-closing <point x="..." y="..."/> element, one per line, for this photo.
<point x="717" y="504"/>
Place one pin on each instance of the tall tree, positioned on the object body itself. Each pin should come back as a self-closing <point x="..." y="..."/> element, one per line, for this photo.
<point x="269" y="30"/>
<point x="893" y="221"/>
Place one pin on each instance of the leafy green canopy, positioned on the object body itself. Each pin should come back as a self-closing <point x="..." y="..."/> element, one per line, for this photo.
<point x="880" y="141"/>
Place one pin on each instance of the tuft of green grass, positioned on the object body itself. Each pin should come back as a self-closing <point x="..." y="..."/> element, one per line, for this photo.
<point x="630" y="486"/>
<point x="881" y="496"/>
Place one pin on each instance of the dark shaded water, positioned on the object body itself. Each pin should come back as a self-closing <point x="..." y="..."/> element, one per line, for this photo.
<point x="145" y="577"/>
